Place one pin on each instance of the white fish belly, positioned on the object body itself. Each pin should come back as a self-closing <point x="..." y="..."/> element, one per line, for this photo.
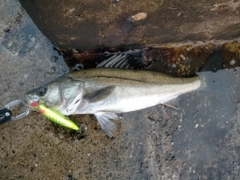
<point x="126" y="99"/>
<point x="137" y="103"/>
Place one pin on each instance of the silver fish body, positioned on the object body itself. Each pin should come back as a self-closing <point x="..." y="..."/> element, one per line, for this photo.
<point x="104" y="92"/>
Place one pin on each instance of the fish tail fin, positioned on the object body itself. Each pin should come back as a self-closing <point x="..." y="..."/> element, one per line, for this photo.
<point x="103" y="119"/>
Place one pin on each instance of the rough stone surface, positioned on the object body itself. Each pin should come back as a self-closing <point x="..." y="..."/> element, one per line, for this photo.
<point x="85" y="24"/>
<point x="200" y="140"/>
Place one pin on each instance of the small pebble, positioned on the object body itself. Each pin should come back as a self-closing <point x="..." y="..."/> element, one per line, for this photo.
<point x="139" y="16"/>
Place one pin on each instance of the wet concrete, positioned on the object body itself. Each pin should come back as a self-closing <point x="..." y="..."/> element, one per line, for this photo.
<point x="89" y="25"/>
<point x="200" y="140"/>
<point x="175" y="59"/>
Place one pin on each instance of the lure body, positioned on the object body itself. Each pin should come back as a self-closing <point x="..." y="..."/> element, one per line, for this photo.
<point x="56" y="117"/>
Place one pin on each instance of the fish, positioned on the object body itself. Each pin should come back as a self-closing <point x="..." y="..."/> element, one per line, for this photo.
<point x="54" y="115"/>
<point x="105" y="92"/>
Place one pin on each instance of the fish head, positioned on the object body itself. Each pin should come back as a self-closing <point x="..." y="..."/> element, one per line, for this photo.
<point x="63" y="94"/>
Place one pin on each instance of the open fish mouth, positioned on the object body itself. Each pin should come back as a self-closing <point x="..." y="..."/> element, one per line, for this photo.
<point x="31" y="102"/>
<point x="35" y="103"/>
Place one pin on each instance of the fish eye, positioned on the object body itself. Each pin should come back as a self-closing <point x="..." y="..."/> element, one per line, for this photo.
<point x="42" y="91"/>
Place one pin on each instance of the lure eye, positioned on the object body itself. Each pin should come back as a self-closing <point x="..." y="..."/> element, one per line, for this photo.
<point x="42" y="91"/>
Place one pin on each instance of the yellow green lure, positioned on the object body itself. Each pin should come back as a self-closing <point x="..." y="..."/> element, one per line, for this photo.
<point x="54" y="116"/>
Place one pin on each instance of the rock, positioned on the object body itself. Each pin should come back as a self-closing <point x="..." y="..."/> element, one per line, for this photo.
<point x="231" y="54"/>
<point x="95" y="24"/>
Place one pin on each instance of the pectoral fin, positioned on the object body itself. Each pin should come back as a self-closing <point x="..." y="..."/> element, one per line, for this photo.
<point x="99" y="94"/>
<point x="103" y="119"/>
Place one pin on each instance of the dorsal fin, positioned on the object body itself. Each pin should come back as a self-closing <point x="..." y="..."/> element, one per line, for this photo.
<point x="161" y="66"/>
<point x="131" y="59"/>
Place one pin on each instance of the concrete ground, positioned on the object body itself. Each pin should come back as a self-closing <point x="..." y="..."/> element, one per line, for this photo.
<point x="200" y="140"/>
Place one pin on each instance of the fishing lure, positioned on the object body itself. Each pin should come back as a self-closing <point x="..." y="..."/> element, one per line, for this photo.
<point x="54" y="116"/>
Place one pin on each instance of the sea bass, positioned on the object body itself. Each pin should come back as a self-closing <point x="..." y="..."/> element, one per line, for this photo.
<point x="105" y="92"/>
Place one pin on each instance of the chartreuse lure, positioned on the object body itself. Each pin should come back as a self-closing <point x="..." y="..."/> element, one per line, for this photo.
<point x="55" y="116"/>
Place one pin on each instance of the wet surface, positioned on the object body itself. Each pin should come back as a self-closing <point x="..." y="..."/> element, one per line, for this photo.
<point x="27" y="57"/>
<point x="200" y="140"/>
<point x="89" y="25"/>
<point x="172" y="59"/>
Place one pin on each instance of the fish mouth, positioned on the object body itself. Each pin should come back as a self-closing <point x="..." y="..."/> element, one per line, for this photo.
<point x="32" y="102"/>
<point x="35" y="104"/>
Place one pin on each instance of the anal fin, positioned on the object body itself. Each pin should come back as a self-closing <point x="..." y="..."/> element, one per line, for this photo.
<point x="172" y="104"/>
<point x="103" y="119"/>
